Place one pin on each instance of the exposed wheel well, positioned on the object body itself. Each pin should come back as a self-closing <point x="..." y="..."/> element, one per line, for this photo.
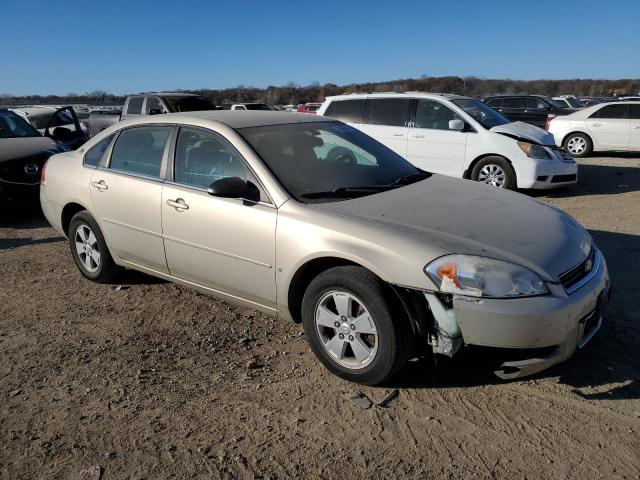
<point x="412" y="303"/>
<point x="303" y="277"/>
<point x="68" y="212"/>
<point x="467" y="173"/>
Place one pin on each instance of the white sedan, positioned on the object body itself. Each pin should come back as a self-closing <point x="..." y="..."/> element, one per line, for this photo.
<point x="611" y="126"/>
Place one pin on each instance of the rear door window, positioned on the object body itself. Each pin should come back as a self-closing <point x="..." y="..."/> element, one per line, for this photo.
<point x="349" y="111"/>
<point x="634" y="111"/>
<point x="536" y="103"/>
<point x="94" y="154"/>
<point x="135" y="106"/>
<point x="153" y="103"/>
<point x="618" y="111"/>
<point x="514" y="102"/>
<point x="140" y="150"/>
<point x="495" y="102"/>
<point x="389" y="111"/>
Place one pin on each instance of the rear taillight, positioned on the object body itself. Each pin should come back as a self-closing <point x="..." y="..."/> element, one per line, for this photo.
<point x="42" y="172"/>
<point x="547" y="124"/>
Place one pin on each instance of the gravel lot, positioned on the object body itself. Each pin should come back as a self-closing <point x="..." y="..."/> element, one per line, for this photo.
<point x="146" y="379"/>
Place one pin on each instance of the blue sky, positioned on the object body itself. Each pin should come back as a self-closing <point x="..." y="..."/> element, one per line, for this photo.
<point x="127" y="46"/>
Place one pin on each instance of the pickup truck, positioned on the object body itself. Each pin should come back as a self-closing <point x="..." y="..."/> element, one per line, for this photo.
<point x="149" y="104"/>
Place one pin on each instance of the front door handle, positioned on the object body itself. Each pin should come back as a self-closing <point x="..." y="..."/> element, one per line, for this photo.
<point x="398" y="134"/>
<point x="101" y="185"/>
<point x="636" y="126"/>
<point x="596" y="124"/>
<point x="179" y="204"/>
<point x="418" y="135"/>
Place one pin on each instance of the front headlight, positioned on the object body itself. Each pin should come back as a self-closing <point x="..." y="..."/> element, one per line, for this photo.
<point x="484" y="277"/>
<point x="534" y="151"/>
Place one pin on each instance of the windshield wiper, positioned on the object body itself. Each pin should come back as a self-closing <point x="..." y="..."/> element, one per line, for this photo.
<point x="411" y="178"/>
<point x="346" y="192"/>
<point x="361" y="190"/>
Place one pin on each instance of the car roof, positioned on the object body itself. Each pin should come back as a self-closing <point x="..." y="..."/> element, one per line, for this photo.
<point x="585" y="112"/>
<point x="246" y="118"/>
<point x="166" y="94"/>
<point x="448" y="96"/>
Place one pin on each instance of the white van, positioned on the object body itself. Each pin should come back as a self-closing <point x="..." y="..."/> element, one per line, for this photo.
<point x="457" y="136"/>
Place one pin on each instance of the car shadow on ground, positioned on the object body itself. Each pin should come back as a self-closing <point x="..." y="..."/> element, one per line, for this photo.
<point x="596" y="180"/>
<point x="9" y="243"/>
<point x="21" y="216"/>
<point x="608" y="368"/>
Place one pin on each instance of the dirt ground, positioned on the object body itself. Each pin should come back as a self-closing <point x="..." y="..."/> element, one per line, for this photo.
<point x="145" y="379"/>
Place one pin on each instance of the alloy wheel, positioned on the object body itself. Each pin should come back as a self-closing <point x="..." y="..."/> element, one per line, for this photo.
<point x="576" y="145"/>
<point x="87" y="248"/>
<point x="346" y="330"/>
<point x="492" y="174"/>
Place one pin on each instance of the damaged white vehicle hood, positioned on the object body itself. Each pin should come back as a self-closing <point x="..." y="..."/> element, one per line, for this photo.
<point x="525" y="131"/>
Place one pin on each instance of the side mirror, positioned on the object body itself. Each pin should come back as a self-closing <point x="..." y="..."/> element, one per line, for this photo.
<point x="155" y="111"/>
<point x="456" y="124"/>
<point x="234" y="187"/>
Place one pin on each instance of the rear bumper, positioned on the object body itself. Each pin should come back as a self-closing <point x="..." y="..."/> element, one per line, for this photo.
<point x="559" y="320"/>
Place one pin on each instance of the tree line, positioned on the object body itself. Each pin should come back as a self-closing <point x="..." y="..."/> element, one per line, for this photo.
<point x="295" y="94"/>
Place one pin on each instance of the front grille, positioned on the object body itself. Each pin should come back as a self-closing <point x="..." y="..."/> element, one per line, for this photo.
<point x="570" y="278"/>
<point x="563" y="178"/>
<point x="564" y="155"/>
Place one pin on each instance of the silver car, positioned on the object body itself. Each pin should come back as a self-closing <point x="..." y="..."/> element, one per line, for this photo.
<point x="311" y="220"/>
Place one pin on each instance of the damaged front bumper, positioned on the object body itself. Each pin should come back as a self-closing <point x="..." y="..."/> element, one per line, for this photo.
<point x="557" y="323"/>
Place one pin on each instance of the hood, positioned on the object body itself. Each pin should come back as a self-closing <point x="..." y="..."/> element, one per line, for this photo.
<point x="460" y="216"/>
<point x="27" y="147"/>
<point x="526" y="132"/>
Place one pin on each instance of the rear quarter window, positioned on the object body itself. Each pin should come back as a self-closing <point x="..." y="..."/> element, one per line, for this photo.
<point x="94" y="155"/>
<point x="135" y="106"/>
<point x="349" y="111"/>
<point x="389" y="111"/>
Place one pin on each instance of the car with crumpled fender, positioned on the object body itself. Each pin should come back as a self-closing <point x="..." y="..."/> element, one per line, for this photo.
<point x="311" y="220"/>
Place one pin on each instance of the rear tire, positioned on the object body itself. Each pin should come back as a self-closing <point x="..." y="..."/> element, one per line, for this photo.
<point x="89" y="249"/>
<point x="496" y="171"/>
<point x="578" y="144"/>
<point x="353" y="328"/>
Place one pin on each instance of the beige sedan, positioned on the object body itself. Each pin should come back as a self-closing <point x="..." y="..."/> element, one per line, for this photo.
<point x="311" y="220"/>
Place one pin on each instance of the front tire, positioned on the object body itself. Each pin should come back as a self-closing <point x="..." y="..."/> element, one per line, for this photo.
<point x="352" y="326"/>
<point x="496" y="171"/>
<point x="89" y="249"/>
<point x="578" y="144"/>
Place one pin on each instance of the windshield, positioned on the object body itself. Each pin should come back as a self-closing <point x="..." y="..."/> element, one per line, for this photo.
<point x="555" y="103"/>
<point x="14" y="126"/>
<point x="257" y="106"/>
<point x="481" y="112"/>
<point x="574" y="102"/>
<point x="328" y="161"/>
<point x="189" y="104"/>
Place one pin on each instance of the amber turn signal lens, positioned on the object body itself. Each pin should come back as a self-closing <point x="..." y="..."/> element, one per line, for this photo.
<point x="449" y="270"/>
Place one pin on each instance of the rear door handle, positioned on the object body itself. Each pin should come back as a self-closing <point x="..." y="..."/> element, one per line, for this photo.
<point x="596" y="124"/>
<point x="179" y="204"/>
<point x="636" y="126"/>
<point x="398" y="134"/>
<point x="101" y="185"/>
<point x="418" y="135"/>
